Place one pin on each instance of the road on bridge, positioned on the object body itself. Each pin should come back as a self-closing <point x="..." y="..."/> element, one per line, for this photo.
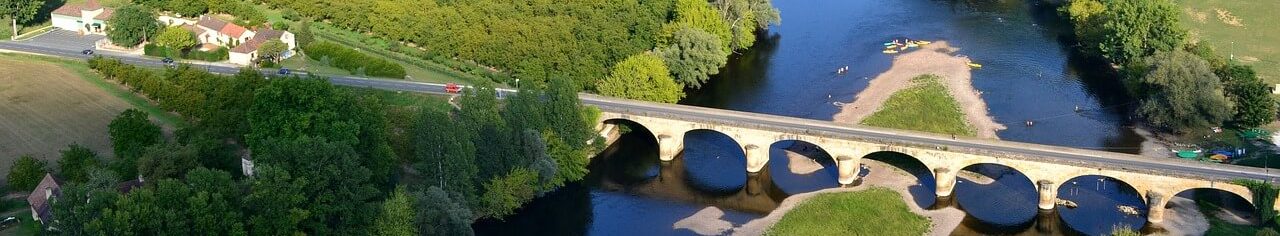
<point x="1050" y="153"/>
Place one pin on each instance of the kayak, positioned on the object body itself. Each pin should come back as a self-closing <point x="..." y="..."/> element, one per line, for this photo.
<point x="912" y="45"/>
<point x="890" y="51"/>
<point x="890" y="46"/>
<point x="975" y="65"/>
<point x="890" y="43"/>
<point x="922" y="42"/>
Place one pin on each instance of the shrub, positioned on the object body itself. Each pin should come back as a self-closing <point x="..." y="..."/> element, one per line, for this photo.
<point x="159" y="51"/>
<point x="27" y="172"/>
<point x="353" y="61"/>
<point x="221" y="54"/>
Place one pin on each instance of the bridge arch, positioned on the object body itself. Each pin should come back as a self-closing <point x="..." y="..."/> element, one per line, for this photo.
<point x="713" y="161"/>
<point x="1094" y="204"/>
<point x="998" y="194"/>
<point x="1220" y="197"/>
<point x="797" y="166"/>
<point x="924" y="191"/>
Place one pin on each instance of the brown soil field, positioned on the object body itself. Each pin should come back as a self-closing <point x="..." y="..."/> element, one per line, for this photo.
<point x="45" y="107"/>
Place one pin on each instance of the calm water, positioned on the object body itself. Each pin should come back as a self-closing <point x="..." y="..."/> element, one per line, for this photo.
<point x="1029" y="74"/>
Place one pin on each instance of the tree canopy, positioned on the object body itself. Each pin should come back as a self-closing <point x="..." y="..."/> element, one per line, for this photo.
<point x="76" y="162"/>
<point x="26" y="172"/>
<point x="131" y="133"/>
<point x="1251" y="96"/>
<point x="131" y="25"/>
<point x="176" y="38"/>
<point x="1182" y="93"/>
<point x="20" y="11"/>
<point x="1132" y="29"/>
<point x="642" y="77"/>
<point x="693" y="55"/>
<point x="272" y="49"/>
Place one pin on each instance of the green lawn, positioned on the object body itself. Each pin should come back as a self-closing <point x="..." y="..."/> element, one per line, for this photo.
<point x="7" y="30"/>
<point x="875" y="211"/>
<point x="1240" y="27"/>
<point x="416" y="68"/>
<point x="81" y="68"/>
<point x="926" y="106"/>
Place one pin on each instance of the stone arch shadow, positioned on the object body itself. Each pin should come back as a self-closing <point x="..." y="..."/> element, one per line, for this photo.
<point x="997" y="195"/>
<point x="1215" y="202"/>
<point x="923" y="191"/>
<point x="798" y="166"/>
<point x="640" y="148"/>
<point x="713" y="161"/>
<point x="1100" y="203"/>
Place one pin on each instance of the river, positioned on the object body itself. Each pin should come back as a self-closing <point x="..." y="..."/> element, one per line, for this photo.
<point x="1029" y="73"/>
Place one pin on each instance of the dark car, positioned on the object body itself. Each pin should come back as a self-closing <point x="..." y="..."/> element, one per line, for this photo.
<point x="9" y="222"/>
<point x="87" y="52"/>
<point x="284" y="71"/>
<point x="167" y="61"/>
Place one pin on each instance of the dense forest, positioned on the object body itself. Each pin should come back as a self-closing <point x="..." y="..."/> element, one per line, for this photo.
<point x="582" y="40"/>
<point x="327" y="160"/>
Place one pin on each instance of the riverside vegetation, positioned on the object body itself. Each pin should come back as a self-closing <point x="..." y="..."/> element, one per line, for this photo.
<point x="328" y="160"/>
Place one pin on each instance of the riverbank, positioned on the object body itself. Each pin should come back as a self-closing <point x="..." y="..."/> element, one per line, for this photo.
<point x="937" y="58"/>
<point x="881" y="175"/>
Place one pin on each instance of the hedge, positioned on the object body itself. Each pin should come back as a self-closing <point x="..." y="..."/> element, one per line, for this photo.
<point x="221" y="54"/>
<point x="353" y="61"/>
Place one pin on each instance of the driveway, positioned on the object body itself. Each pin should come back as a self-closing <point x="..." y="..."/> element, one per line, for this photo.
<point x="63" y="39"/>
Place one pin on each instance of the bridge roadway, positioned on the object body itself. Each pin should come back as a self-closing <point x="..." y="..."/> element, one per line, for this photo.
<point x="1168" y="166"/>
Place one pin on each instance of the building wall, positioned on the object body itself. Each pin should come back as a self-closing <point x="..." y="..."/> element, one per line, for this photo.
<point x="241" y="58"/>
<point x="67" y="22"/>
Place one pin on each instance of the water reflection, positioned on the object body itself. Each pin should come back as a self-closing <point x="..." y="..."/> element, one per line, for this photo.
<point x="1100" y="200"/>
<point x="1000" y="199"/>
<point x="717" y="163"/>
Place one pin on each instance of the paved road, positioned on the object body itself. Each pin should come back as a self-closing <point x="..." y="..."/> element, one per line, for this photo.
<point x="772" y="122"/>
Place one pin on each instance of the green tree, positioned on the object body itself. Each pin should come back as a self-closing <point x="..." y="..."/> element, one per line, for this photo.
<point x="167" y="161"/>
<point x="1085" y="16"/>
<point x="20" y="11"/>
<point x="76" y="162"/>
<point x="272" y="50"/>
<point x="1180" y="92"/>
<point x="693" y="55"/>
<point x="503" y="195"/>
<point x="446" y="155"/>
<point x="275" y="204"/>
<point x="744" y="17"/>
<point x="131" y="25"/>
<point x="214" y="202"/>
<point x="176" y="38"/>
<point x="26" y="173"/>
<point x="1251" y="96"/>
<point x="188" y="8"/>
<point x="700" y="15"/>
<point x="397" y="216"/>
<point x="440" y="214"/>
<point x="642" y="77"/>
<point x="302" y="35"/>
<point x="569" y="143"/>
<point x="131" y="133"/>
<point x="1132" y="29"/>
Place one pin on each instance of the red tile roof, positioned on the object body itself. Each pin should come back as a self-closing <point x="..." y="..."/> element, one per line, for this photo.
<point x="106" y="14"/>
<point x="39" y="197"/>
<point x="75" y="10"/>
<point x="235" y="31"/>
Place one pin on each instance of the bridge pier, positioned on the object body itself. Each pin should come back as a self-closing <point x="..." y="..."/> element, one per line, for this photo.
<point x="848" y="168"/>
<point x="1048" y="194"/>
<point x="1155" y="206"/>
<point x="756" y="157"/>
<point x="669" y="146"/>
<point x="946" y="181"/>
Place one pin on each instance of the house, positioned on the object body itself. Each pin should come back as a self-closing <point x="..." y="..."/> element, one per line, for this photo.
<point x="245" y="53"/>
<point x="87" y="18"/>
<point x="40" y="197"/>
<point x="221" y="33"/>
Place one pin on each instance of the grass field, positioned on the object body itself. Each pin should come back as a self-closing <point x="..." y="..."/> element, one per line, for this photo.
<point x="926" y="106"/>
<point x="1244" y="28"/>
<point x="48" y="103"/>
<point x="875" y="211"/>
<point x="416" y="68"/>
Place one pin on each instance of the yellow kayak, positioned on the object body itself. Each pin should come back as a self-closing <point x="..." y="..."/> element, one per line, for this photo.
<point x="890" y="51"/>
<point x="912" y="45"/>
<point x="922" y="42"/>
<point x="890" y="46"/>
<point x="975" y="65"/>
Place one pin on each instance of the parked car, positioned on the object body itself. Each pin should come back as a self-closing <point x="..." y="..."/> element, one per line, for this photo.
<point x="284" y="71"/>
<point x="452" y="88"/>
<point x="167" y="61"/>
<point x="9" y="222"/>
<point x="87" y="52"/>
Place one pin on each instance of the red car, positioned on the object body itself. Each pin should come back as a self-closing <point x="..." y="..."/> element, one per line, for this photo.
<point x="452" y="88"/>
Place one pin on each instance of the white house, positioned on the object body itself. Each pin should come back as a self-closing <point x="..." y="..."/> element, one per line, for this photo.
<point x="87" y="18"/>
<point x="245" y="53"/>
<point x="221" y="33"/>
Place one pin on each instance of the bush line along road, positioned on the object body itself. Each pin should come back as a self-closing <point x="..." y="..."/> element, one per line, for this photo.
<point x="1048" y="153"/>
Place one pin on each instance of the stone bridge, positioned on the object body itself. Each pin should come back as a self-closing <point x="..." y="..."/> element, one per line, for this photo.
<point x="1155" y="179"/>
